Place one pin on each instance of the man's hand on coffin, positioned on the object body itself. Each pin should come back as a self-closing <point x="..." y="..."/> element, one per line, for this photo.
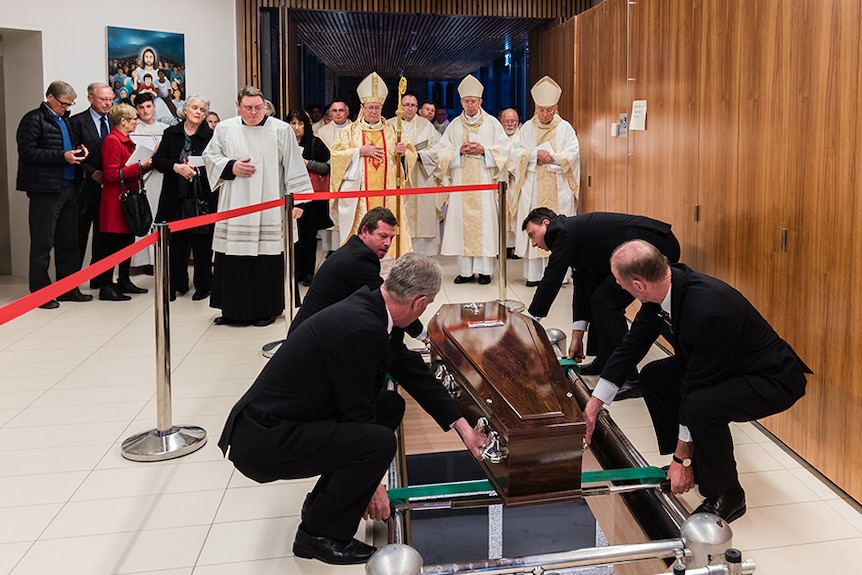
<point x="576" y="348"/>
<point x="591" y="412"/>
<point x="378" y="507"/>
<point x="473" y="439"/>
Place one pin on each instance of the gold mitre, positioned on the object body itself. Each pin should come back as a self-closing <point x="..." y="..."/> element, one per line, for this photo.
<point x="372" y="89"/>
<point x="470" y="87"/>
<point x="546" y="92"/>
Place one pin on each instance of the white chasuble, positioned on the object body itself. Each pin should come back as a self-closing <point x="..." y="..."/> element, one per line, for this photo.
<point x="471" y="217"/>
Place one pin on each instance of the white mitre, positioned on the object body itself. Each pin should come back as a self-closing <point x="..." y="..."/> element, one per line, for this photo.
<point x="546" y="92"/>
<point x="372" y="89"/>
<point x="470" y="87"/>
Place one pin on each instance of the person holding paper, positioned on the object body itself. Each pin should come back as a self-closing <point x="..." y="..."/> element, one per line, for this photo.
<point x="473" y="150"/>
<point x="179" y="159"/>
<point x="546" y="169"/>
<point x="117" y="149"/>
<point x="148" y="134"/>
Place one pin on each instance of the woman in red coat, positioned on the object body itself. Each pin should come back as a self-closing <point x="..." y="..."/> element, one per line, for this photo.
<point x="117" y="148"/>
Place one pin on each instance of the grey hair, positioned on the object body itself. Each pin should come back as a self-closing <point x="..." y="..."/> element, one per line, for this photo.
<point x="413" y="275"/>
<point x="93" y="86"/>
<point x="181" y="112"/>
<point x="60" y="88"/>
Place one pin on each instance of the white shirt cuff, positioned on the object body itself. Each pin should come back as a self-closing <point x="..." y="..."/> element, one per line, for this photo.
<point x="684" y="434"/>
<point x="605" y="391"/>
<point x="581" y="325"/>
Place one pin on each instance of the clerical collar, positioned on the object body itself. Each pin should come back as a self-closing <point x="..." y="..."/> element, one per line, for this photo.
<point x="374" y="125"/>
<point x="473" y="118"/>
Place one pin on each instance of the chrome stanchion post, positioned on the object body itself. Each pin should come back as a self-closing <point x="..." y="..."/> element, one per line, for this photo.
<point x="167" y="441"/>
<point x="269" y="349"/>
<point x="503" y="281"/>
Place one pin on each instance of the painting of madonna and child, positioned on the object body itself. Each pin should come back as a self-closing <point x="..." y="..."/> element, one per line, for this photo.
<point x="145" y="61"/>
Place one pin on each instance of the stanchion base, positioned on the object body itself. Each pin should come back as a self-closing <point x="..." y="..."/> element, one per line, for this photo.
<point x="154" y="445"/>
<point x="512" y="305"/>
<point x="268" y="350"/>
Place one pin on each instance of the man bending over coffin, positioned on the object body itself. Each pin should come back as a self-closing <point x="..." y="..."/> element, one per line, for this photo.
<point x="320" y="407"/>
<point x="729" y="365"/>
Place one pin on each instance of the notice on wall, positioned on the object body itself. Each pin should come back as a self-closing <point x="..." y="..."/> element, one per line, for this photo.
<point x="638" y="121"/>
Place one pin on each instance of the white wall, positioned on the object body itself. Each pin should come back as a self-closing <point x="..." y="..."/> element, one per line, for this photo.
<point x="73" y="48"/>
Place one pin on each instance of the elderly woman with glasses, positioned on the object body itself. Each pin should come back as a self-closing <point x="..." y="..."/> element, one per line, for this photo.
<point x="180" y="144"/>
<point x="117" y="148"/>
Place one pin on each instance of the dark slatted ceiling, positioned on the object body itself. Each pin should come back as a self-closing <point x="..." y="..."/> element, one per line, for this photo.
<point x="414" y="45"/>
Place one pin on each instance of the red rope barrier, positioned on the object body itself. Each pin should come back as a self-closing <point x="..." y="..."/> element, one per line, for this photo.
<point x="29" y="302"/>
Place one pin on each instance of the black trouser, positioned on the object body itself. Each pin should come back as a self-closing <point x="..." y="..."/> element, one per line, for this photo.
<point x="351" y="465"/>
<point x="53" y="221"/>
<point x="88" y="217"/>
<point x="707" y="413"/>
<point x="305" y="249"/>
<point x="202" y="253"/>
<point x="109" y="244"/>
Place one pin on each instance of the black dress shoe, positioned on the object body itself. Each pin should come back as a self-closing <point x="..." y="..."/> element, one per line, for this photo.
<point x="729" y="505"/>
<point x="511" y="255"/>
<point x="75" y="295"/>
<point x="199" y="295"/>
<point x="533" y="284"/>
<point x="631" y="388"/>
<point x="263" y="321"/>
<point x="126" y="286"/>
<point x="50" y="304"/>
<point x="147" y="270"/>
<point x="592" y="368"/>
<point x="463" y="279"/>
<point x="332" y="551"/>
<point x="111" y="293"/>
<point x="484" y="279"/>
<point x="173" y="296"/>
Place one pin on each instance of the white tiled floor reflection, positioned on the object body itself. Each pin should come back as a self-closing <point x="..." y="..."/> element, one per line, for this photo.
<point x="76" y="381"/>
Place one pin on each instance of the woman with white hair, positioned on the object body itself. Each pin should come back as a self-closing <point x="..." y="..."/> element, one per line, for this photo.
<point x="181" y="179"/>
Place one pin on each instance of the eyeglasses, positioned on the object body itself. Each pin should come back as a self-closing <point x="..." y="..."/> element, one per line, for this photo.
<point x="338" y="111"/>
<point x="62" y="103"/>
<point x="252" y="108"/>
<point x="409" y="106"/>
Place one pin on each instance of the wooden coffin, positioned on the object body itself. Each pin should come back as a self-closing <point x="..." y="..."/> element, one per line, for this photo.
<point x="500" y="365"/>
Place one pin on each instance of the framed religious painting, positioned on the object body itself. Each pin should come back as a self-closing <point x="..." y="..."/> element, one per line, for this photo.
<point x="148" y="61"/>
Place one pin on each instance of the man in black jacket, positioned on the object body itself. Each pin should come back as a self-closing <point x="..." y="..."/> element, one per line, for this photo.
<point x="47" y="155"/>
<point x="584" y="243"/>
<point x="320" y="407"/>
<point x="729" y="365"/>
<point x="90" y="127"/>
<point x="353" y="265"/>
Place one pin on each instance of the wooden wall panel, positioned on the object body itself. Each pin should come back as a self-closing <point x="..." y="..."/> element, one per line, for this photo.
<point x="662" y="162"/>
<point x="552" y="53"/>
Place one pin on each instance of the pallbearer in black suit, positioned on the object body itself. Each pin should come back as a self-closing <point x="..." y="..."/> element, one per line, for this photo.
<point x="584" y="243"/>
<point x="729" y="365"/>
<point x="353" y="265"/>
<point x="319" y="407"/>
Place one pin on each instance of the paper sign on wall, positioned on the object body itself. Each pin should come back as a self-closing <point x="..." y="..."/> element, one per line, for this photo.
<point x="638" y="121"/>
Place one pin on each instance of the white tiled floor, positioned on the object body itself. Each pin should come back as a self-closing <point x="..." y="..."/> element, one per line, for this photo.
<point x="76" y="381"/>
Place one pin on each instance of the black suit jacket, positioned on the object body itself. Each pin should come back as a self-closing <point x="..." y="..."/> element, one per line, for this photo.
<point x="347" y="269"/>
<point x="585" y="243"/>
<point x="168" y="154"/>
<point x="716" y="335"/>
<point x="329" y="370"/>
<point x="85" y="132"/>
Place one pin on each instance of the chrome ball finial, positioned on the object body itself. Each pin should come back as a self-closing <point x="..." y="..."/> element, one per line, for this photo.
<point x="395" y="559"/>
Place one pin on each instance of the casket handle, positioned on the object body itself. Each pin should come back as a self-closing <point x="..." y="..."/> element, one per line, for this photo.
<point x="492" y="451"/>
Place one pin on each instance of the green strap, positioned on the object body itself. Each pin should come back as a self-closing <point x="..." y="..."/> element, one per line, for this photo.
<point x="566" y="363"/>
<point x="402" y="494"/>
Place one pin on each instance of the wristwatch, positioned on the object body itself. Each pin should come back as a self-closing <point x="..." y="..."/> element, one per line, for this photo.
<point x="684" y="462"/>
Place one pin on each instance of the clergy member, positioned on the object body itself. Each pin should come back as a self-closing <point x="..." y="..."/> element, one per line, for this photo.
<point x="545" y="163"/>
<point x="253" y="158"/>
<point x="422" y="210"/>
<point x="339" y="111"/>
<point x="367" y="156"/>
<point x="473" y="150"/>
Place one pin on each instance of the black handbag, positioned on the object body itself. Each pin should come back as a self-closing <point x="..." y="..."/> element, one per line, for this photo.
<point x="193" y="204"/>
<point x="136" y="206"/>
